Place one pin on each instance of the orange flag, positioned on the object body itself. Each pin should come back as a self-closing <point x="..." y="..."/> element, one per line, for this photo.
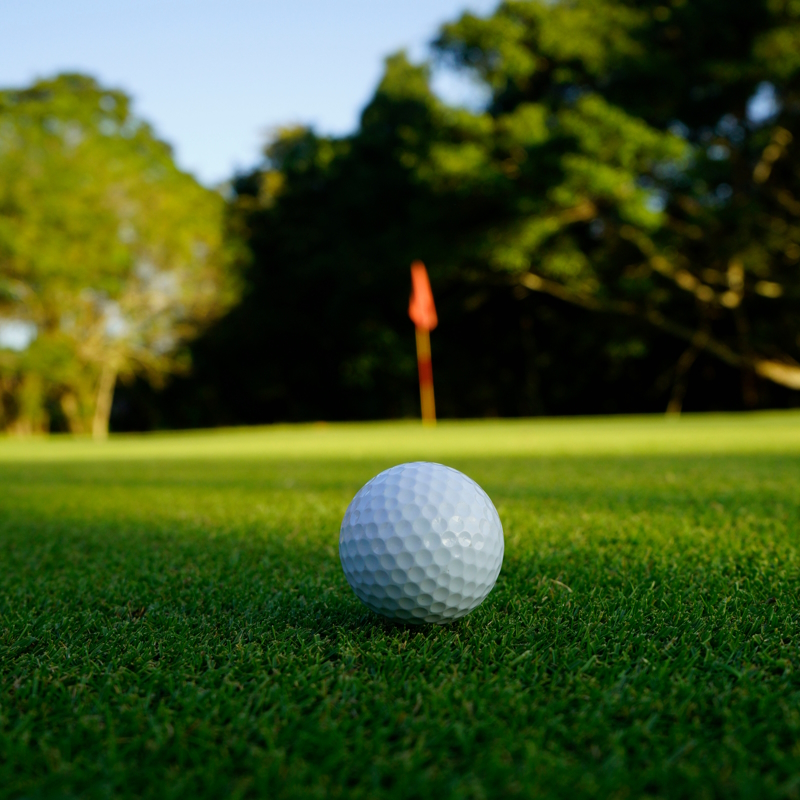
<point x="421" y="308"/>
<point x="422" y="311"/>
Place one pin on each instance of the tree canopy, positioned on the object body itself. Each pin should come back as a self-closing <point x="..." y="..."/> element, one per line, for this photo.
<point x="111" y="258"/>
<point x="626" y="204"/>
<point x="617" y="228"/>
<point x="674" y="187"/>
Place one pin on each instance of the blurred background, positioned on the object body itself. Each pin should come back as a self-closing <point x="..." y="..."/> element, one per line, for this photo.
<point x="208" y="211"/>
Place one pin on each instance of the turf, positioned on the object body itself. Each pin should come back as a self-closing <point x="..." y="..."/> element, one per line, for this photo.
<point x="174" y="621"/>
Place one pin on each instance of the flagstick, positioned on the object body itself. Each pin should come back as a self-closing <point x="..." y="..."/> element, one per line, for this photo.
<point x="425" y="376"/>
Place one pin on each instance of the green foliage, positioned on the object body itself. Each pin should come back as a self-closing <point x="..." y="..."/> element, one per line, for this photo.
<point x="176" y="622"/>
<point x="668" y="202"/>
<point x="614" y="168"/>
<point x="105" y="246"/>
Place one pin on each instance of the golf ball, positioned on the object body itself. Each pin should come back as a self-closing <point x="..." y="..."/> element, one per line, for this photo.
<point x="421" y="543"/>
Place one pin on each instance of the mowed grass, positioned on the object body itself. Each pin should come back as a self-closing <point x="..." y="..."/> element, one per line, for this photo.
<point x="174" y="621"/>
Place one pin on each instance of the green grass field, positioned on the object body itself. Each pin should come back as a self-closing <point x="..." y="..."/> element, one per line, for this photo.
<point x="174" y="621"/>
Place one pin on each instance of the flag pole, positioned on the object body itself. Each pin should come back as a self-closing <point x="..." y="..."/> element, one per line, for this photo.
<point x="425" y="366"/>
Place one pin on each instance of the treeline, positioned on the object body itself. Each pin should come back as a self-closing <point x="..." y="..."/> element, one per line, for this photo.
<point x="617" y="231"/>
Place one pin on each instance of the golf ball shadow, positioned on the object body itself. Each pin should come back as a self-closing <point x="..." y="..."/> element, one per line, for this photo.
<point x="421" y="542"/>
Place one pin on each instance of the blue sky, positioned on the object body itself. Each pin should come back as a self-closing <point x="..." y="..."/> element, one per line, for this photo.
<point x="213" y="76"/>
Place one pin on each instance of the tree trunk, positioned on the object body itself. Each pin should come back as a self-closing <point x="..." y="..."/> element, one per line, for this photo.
<point x="72" y="411"/>
<point x="105" y="395"/>
<point x="31" y="414"/>
<point x="680" y="384"/>
<point x="749" y="387"/>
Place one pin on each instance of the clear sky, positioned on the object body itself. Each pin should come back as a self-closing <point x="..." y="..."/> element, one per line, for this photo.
<point x="214" y="76"/>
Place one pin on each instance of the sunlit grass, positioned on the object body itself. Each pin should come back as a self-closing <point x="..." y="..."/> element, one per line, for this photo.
<point x="700" y="433"/>
<point x="174" y="621"/>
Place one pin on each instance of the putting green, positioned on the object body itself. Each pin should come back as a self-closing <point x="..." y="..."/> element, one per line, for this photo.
<point x="174" y="621"/>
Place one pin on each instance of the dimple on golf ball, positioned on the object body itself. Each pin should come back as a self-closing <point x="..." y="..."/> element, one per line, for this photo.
<point x="421" y="543"/>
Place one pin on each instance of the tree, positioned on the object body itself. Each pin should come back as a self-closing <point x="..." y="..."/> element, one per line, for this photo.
<point x="625" y="206"/>
<point x="109" y="254"/>
<point x="647" y="159"/>
<point x="331" y="226"/>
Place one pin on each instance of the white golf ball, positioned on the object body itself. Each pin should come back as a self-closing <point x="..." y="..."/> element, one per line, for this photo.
<point x="421" y="543"/>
